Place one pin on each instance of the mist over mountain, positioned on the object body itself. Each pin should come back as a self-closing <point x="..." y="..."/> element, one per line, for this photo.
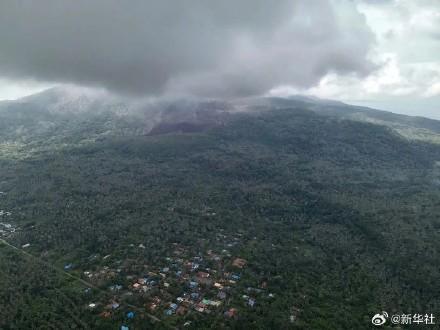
<point x="145" y="115"/>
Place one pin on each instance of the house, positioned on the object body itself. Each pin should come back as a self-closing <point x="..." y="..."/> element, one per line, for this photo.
<point x="130" y="315"/>
<point x="200" y="307"/>
<point x="157" y="300"/>
<point x="235" y="277"/>
<point x="204" y="281"/>
<point x="251" y="302"/>
<point x="123" y="327"/>
<point x="136" y="286"/>
<point x="206" y="301"/>
<point x="169" y="312"/>
<point x="214" y="303"/>
<point x="25" y="245"/>
<point x="105" y="315"/>
<point x="193" y="284"/>
<point x="202" y="275"/>
<point x="232" y="312"/>
<point x="173" y="306"/>
<point x="239" y="262"/>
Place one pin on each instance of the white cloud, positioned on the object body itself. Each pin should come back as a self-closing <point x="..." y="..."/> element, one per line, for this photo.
<point x="13" y="89"/>
<point x="433" y="90"/>
<point x="406" y="52"/>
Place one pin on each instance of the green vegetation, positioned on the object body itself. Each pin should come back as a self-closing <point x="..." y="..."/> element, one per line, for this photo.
<point x="337" y="220"/>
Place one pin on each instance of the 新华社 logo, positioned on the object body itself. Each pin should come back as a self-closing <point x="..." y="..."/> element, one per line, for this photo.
<point x="379" y="319"/>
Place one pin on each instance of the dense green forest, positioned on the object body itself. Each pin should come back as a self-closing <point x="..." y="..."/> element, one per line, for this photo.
<point x="336" y="219"/>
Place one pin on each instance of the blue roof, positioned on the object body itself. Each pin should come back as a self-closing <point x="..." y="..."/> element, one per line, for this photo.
<point x="174" y="306"/>
<point x="130" y="315"/>
<point x="123" y="327"/>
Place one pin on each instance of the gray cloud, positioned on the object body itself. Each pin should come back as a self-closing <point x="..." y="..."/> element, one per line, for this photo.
<point x="201" y="47"/>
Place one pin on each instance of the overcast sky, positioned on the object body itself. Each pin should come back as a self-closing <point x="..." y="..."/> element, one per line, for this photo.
<point x="379" y="53"/>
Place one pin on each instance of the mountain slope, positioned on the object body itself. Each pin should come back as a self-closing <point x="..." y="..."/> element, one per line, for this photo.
<point x="336" y="219"/>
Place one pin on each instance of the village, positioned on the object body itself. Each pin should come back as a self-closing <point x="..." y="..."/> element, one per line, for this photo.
<point x="209" y="279"/>
<point x="125" y="285"/>
<point x="7" y="229"/>
<point x="179" y="285"/>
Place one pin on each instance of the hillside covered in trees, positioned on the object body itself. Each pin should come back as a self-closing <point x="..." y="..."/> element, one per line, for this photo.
<point x="258" y="214"/>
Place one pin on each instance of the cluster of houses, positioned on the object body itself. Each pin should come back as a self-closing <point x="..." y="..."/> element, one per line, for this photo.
<point x="185" y="282"/>
<point x="182" y="283"/>
<point x="5" y="213"/>
<point x="203" y="289"/>
<point x="6" y="229"/>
